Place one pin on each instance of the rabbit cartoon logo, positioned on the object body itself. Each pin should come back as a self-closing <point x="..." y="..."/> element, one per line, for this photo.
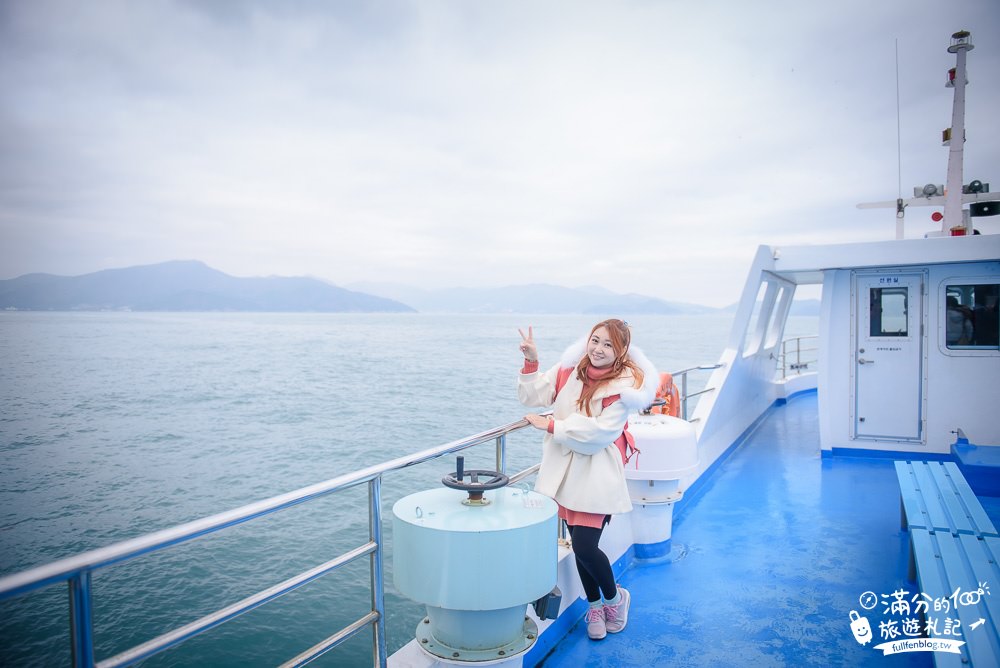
<point x="862" y="630"/>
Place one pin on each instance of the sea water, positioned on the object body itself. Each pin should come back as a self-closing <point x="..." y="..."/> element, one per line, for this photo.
<point x="113" y="425"/>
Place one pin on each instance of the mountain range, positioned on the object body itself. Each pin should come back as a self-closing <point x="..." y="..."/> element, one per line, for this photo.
<point x="531" y="298"/>
<point x="183" y="286"/>
<point x="190" y="285"/>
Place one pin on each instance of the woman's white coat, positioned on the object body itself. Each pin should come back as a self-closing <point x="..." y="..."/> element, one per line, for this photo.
<point x="581" y="467"/>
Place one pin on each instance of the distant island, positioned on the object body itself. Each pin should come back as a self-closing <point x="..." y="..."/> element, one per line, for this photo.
<point x="190" y="285"/>
<point x="546" y="298"/>
<point x="184" y="286"/>
<point x="531" y="298"/>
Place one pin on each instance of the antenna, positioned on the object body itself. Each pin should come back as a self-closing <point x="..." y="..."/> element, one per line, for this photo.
<point x="900" y="207"/>
<point x="899" y="143"/>
<point x="977" y="194"/>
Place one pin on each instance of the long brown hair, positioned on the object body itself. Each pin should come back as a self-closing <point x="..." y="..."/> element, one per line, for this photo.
<point x="621" y="337"/>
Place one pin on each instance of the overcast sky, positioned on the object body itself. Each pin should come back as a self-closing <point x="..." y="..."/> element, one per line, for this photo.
<point x="642" y="146"/>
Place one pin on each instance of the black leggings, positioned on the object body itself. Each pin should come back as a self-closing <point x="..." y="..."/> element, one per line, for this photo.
<point x="592" y="564"/>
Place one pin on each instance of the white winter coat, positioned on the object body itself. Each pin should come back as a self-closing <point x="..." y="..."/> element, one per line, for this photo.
<point x="581" y="467"/>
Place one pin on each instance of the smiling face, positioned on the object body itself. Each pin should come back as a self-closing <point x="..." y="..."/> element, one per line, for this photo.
<point x="600" y="350"/>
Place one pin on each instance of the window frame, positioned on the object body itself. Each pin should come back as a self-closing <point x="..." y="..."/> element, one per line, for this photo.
<point x="891" y="290"/>
<point x="941" y="312"/>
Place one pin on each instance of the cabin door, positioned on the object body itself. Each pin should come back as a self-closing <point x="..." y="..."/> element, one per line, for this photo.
<point x="888" y="356"/>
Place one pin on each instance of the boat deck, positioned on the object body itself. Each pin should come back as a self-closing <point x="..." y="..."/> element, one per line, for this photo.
<point x="780" y="545"/>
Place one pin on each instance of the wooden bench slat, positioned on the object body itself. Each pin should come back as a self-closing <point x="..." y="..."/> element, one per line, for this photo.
<point x="954" y="546"/>
<point x="947" y="562"/>
<point x="935" y="495"/>
<point x="964" y="555"/>
<point x="951" y="499"/>
<point x="914" y="508"/>
<point x="958" y="575"/>
<point x="977" y="514"/>
<point x="930" y="576"/>
<point x="931" y="502"/>
<point x="983" y="553"/>
<point x="909" y="497"/>
<point x="933" y="581"/>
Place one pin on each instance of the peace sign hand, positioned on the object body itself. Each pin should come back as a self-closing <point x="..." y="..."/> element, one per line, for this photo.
<point x="528" y="348"/>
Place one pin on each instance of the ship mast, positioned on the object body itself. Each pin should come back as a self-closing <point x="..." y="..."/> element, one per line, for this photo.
<point x="955" y="221"/>
<point x="955" y="135"/>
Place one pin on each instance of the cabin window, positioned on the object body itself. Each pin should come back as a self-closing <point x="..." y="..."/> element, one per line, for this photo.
<point x="970" y="316"/>
<point x="751" y="337"/>
<point x="775" y="324"/>
<point x="768" y="316"/>
<point x="888" y="312"/>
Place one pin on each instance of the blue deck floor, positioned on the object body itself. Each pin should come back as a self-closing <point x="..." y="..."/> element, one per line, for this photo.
<point x="781" y="544"/>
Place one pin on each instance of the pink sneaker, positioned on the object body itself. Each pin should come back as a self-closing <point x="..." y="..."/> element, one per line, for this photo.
<point x="595" y="623"/>
<point x="616" y="616"/>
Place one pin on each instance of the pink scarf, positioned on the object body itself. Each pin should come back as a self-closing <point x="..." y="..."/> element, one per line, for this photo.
<point x="593" y="373"/>
<point x="625" y="442"/>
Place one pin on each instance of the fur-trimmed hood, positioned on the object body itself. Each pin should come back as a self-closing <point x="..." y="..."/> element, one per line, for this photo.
<point x="636" y="399"/>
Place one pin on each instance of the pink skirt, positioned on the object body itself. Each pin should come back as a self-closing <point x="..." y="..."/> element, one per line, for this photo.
<point x="575" y="518"/>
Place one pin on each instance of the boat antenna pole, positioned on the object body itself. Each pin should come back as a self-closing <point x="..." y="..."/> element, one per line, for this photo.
<point x="900" y="207"/>
<point x="983" y="203"/>
<point x="955" y="135"/>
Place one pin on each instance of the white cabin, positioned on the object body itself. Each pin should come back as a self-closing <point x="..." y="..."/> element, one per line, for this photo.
<point x="893" y="374"/>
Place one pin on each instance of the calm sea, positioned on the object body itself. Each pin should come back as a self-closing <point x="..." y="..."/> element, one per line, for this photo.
<point x="113" y="425"/>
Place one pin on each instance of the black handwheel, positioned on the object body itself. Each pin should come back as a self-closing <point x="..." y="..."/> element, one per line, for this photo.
<point x="468" y="481"/>
<point x="473" y="484"/>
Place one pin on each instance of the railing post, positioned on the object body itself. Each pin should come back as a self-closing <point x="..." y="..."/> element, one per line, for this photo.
<point x="379" y="651"/>
<point x="684" y="395"/>
<point x="81" y="620"/>
<point x="784" y="358"/>
<point x="502" y="453"/>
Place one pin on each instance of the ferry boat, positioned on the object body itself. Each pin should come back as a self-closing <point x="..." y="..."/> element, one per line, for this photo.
<point x="827" y="502"/>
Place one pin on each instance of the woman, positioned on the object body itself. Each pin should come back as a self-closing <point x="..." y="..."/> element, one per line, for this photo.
<point x="598" y="382"/>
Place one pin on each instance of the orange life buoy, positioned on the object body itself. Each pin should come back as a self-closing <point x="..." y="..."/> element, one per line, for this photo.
<point x="667" y="391"/>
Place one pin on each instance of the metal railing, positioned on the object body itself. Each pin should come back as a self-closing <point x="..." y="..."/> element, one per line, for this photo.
<point x="684" y="396"/>
<point x="792" y="359"/>
<point x="77" y="570"/>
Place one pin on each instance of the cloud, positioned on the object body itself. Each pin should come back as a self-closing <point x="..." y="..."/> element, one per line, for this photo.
<point x="643" y="146"/>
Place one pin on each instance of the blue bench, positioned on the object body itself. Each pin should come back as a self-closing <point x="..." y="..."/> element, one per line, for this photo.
<point x="962" y="562"/>
<point x="954" y="547"/>
<point x="936" y="496"/>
